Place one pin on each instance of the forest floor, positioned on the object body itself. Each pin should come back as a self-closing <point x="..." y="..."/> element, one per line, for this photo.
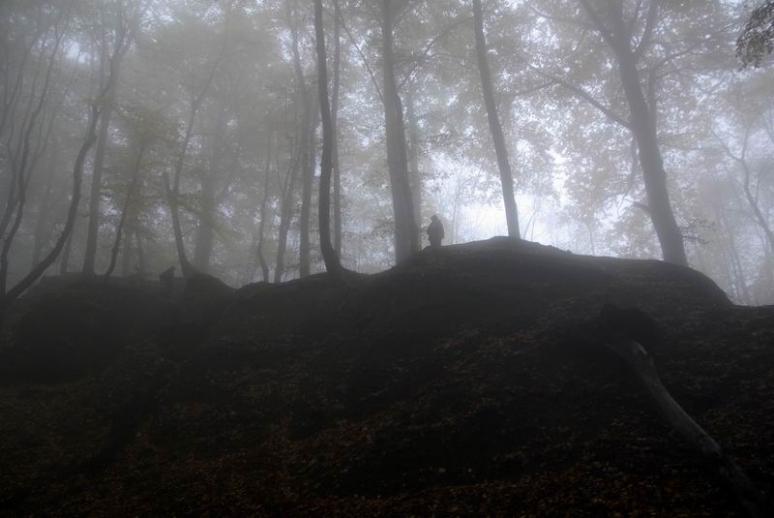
<point x="468" y="380"/>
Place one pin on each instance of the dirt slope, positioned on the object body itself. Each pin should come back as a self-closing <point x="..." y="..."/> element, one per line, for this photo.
<point x="469" y="380"/>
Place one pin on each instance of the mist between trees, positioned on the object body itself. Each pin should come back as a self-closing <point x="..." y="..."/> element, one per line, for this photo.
<point x="141" y="134"/>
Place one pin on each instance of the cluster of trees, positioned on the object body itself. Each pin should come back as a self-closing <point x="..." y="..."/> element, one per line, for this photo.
<point x="266" y="139"/>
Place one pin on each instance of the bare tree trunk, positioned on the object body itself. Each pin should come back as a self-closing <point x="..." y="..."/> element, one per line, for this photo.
<point x="20" y="171"/>
<point x="92" y="228"/>
<point x="172" y="192"/>
<point x="506" y="175"/>
<point x="64" y="263"/>
<point x="332" y="264"/>
<point x="643" y="126"/>
<point x="406" y="234"/>
<point x="306" y="191"/>
<point x="141" y="268"/>
<point x="42" y="231"/>
<point x="131" y="193"/>
<point x="264" y="206"/>
<point x="415" y="177"/>
<point x="337" y="226"/>
<point x="205" y="232"/>
<point x="306" y="129"/>
<point x="72" y="213"/>
<point x="286" y="214"/>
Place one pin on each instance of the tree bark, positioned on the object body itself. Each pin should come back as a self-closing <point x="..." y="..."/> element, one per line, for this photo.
<point x="406" y="233"/>
<point x="332" y="264"/>
<point x="501" y="150"/>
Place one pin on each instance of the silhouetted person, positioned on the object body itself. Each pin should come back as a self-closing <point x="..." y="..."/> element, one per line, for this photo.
<point x="167" y="278"/>
<point x="435" y="232"/>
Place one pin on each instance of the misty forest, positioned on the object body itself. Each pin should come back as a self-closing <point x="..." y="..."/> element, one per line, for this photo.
<point x="387" y="257"/>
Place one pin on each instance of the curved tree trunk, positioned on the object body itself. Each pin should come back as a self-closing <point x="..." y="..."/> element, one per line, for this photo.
<point x="506" y="175"/>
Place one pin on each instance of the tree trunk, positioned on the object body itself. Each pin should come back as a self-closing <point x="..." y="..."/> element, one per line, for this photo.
<point x="641" y="364"/>
<point x="42" y="230"/>
<point x="337" y="226"/>
<point x="130" y="195"/>
<point x="406" y="234"/>
<point x="501" y="150"/>
<point x="332" y="264"/>
<point x="286" y="214"/>
<point x="669" y="235"/>
<point x="415" y="178"/>
<point x="72" y="213"/>
<point x="264" y="206"/>
<point x="306" y="189"/>
<point x="92" y="229"/>
<point x="172" y="192"/>
<point x="205" y="232"/>
<point x="643" y="126"/>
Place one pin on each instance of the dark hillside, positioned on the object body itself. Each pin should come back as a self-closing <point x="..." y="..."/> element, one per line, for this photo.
<point x="468" y="380"/>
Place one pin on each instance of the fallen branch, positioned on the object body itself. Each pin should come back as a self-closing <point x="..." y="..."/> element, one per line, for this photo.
<point x="637" y="358"/>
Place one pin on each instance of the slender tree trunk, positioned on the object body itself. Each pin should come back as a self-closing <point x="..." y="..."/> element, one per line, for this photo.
<point x="95" y="215"/>
<point x="286" y="214"/>
<point x="306" y="142"/>
<point x="415" y="177"/>
<point x="406" y="234"/>
<point x="306" y="190"/>
<point x="337" y="226"/>
<point x="264" y="207"/>
<point x="131" y="193"/>
<point x="64" y="263"/>
<point x="72" y="213"/>
<point x="205" y="232"/>
<point x="332" y="264"/>
<point x="506" y="175"/>
<point x="127" y="252"/>
<point x="42" y="231"/>
<point x="172" y="191"/>
<point x="141" y="268"/>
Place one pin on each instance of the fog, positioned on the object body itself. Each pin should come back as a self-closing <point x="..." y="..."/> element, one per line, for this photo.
<point x="143" y="134"/>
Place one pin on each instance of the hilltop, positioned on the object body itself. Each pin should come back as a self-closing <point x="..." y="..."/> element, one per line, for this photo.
<point x="468" y="380"/>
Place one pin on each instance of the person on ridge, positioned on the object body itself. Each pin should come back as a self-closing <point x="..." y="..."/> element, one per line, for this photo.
<point x="435" y="232"/>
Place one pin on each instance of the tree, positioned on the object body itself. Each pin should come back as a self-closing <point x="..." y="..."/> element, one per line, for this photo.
<point x="332" y="263"/>
<point x="617" y="33"/>
<point x="757" y="38"/>
<point x="107" y="112"/>
<point x="506" y="176"/>
<point x="406" y="230"/>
